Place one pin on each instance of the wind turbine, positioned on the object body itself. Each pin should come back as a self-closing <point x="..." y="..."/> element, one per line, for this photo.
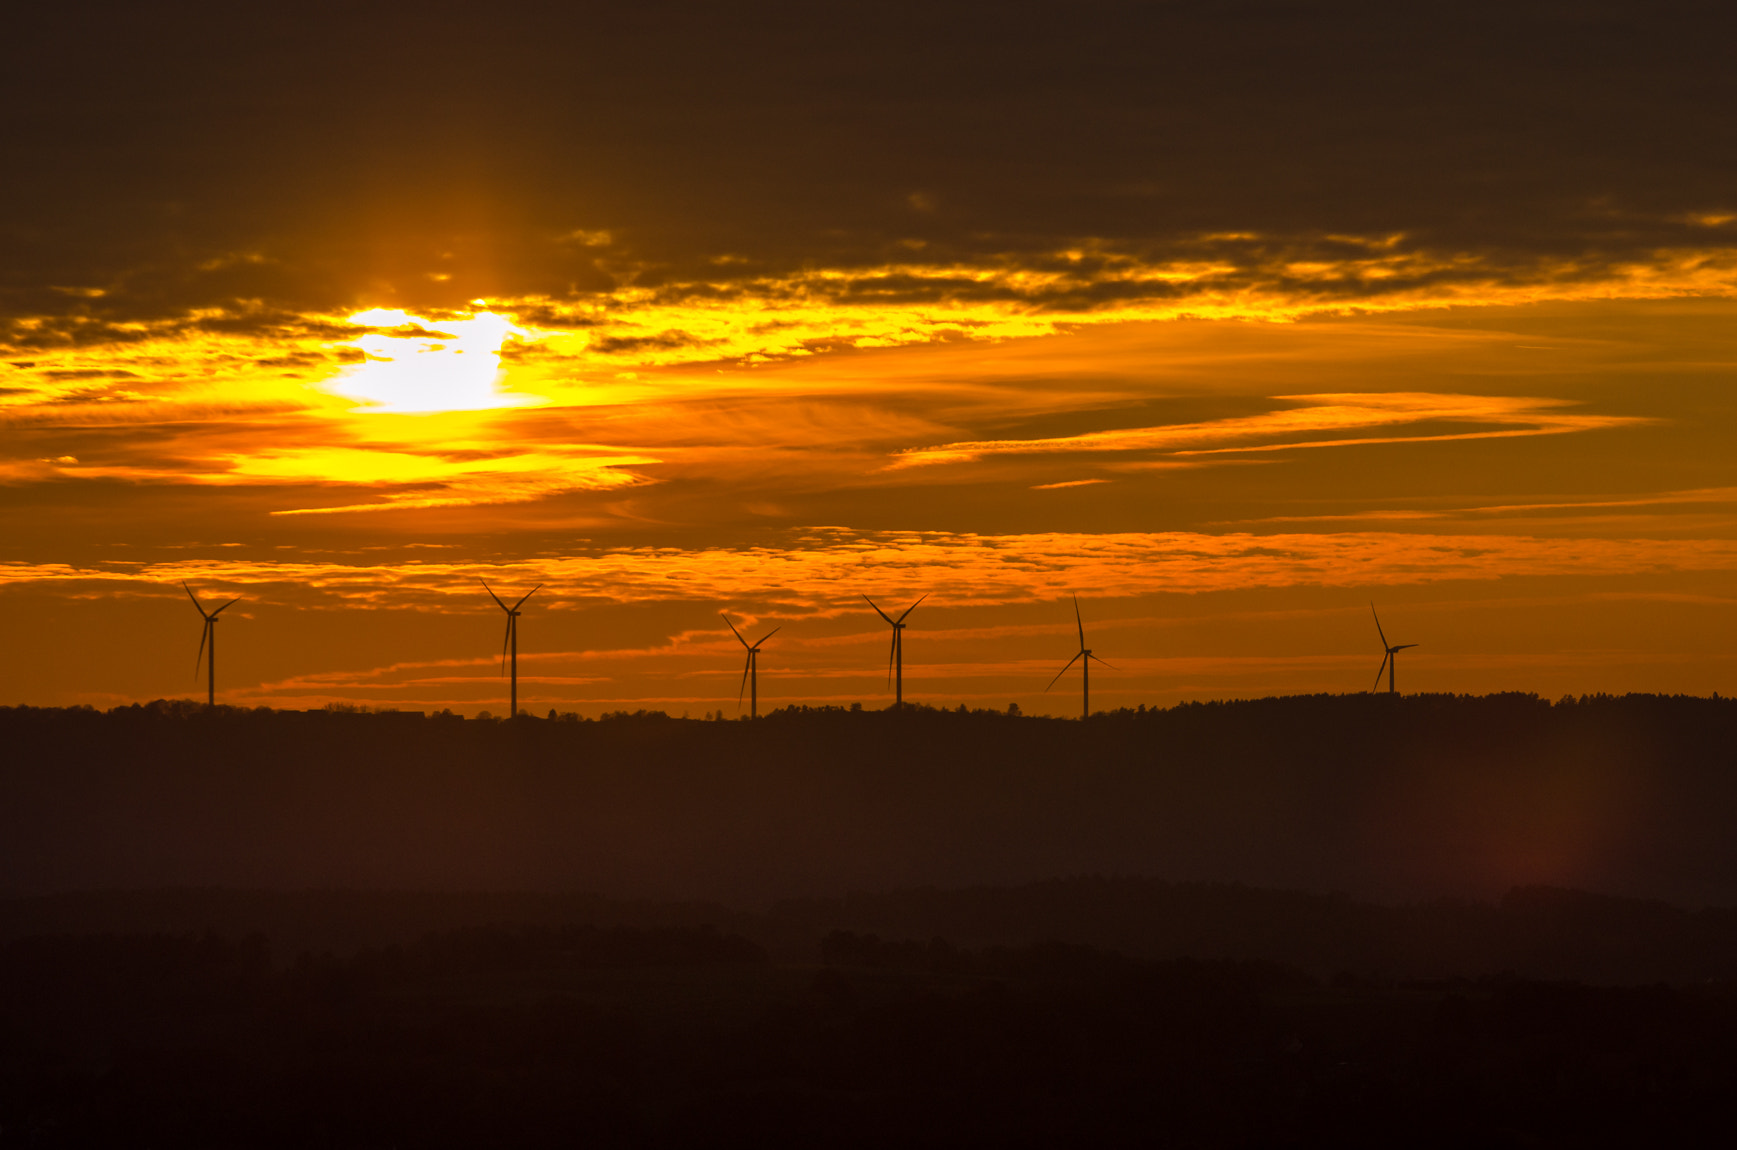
<point x="511" y="642"/>
<point x="1085" y="659"/>
<point x="1388" y="662"/>
<point x="751" y="671"/>
<point x="896" y="660"/>
<point x="207" y="637"/>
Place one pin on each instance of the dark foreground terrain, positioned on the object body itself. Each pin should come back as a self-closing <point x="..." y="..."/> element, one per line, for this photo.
<point x="1378" y="796"/>
<point x="685" y="1036"/>
<point x="337" y="929"/>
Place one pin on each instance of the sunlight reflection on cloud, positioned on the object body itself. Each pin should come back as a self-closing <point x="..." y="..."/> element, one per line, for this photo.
<point x="454" y="365"/>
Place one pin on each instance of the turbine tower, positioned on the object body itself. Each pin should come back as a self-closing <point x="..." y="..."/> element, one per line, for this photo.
<point x="510" y="644"/>
<point x="207" y="639"/>
<point x="896" y="660"/>
<point x="1388" y="661"/>
<point x="751" y="671"/>
<point x="1084" y="658"/>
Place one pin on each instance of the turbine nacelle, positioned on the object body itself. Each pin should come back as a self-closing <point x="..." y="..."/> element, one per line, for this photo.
<point x="512" y="611"/>
<point x="209" y="616"/>
<point x="899" y="623"/>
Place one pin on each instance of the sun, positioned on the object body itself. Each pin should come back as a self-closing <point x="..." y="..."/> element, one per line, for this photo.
<point x="418" y="365"/>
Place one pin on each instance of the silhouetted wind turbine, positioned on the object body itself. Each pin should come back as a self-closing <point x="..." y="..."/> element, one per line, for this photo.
<point x="896" y="660"/>
<point x="751" y="672"/>
<point x="1388" y="662"/>
<point x="207" y="638"/>
<point x="511" y="642"/>
<point x="1085" y="659"/>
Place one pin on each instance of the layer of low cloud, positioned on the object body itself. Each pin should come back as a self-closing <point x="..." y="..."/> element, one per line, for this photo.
<point x="825" y="572"/>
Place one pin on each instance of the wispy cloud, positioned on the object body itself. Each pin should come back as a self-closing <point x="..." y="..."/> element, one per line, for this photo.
<point x="1716" y="496"/>
<point x="413" y="479"/>
<point x="1314" y="413"/>
<point x="822" y="572"/>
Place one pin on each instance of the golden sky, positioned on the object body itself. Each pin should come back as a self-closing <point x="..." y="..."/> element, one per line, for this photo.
<point x="1197" y="336"/>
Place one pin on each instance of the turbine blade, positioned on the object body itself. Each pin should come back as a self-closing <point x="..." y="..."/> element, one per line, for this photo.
<point x="1063" y="671"/>
<point x="506" y="640"/>
<point x="892" y="653"/>
<point x="493" y="596"/>
<point x="1095" y="659"/>
<point x="733" y="630"/>
<point x="1079" y="622"/>
<point x="768" y="635"/>
<point x="1405" y="646"/>
<point x="878" y="611"/>
<point x="527" y="595"/>
<point x="1380" y="669"/>
<point x="1378" y="629"/>
<point x="913" y="606"/>
<point x="200" y="657"/>
<point x="747" y="665"/>
<point x="226" y="607"/>
<point x="196" y="604"/>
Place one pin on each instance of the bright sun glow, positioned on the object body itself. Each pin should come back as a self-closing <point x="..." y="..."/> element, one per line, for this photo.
<point x="416" y="365"/>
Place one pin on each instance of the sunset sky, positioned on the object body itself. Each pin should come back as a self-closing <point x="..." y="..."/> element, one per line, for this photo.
<point x="1230" y="319"/>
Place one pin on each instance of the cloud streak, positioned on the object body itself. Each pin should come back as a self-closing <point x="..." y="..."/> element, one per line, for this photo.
<point x="1314" y="413"/>
<point x="822" y="572"/>
<point x="1715" y="496"/>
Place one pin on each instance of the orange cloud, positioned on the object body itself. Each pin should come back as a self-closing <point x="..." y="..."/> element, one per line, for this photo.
<point x="1235" y="277"/>
<point x="1333" y="412"/>
<point x="1698" y="497"/>
<point x="590" y="349"/>
<point x="823" y="571"/>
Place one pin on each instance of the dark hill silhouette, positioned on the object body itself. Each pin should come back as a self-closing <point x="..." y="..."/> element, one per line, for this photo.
<point x="1530" y="932"/>
<point x="533" y="1037"/>
<point x="1380" y="797"/>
